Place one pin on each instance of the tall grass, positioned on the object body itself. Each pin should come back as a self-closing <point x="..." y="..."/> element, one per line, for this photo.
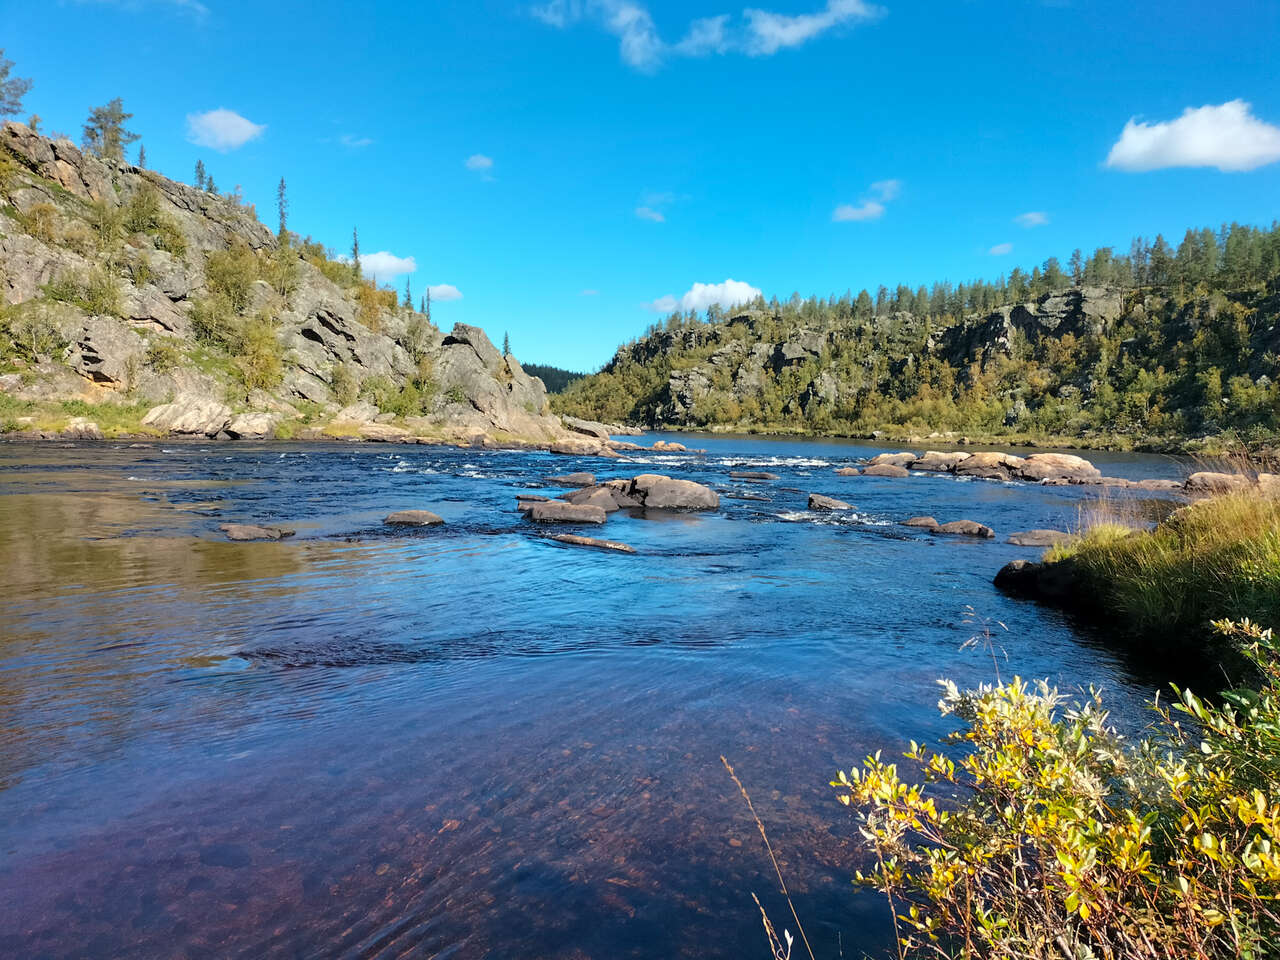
<point x="1215" y="559"/>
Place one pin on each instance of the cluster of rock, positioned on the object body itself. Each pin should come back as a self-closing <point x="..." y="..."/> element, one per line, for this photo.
<point x="126" y="354"/>
<point x="591" y="502"/>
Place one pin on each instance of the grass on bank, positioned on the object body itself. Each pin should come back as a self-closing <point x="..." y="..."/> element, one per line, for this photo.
<point x="1214" y="559"/>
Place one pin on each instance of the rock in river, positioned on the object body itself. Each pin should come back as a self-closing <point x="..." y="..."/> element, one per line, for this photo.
<point x="966" y="528"/>
<point x="1039" y="538"/>
<point x="593" y="542"/>
<point x="557" y="511"/>
<point x="818" y="502"/>
<point x="250" y="531"/>
<point x="573" y="480"/>
<point x="414" y="518"/>
<point x="885" y="470"/>
<point x="657" y="492"/>
<point x="1057" y="466"/>
<point x="847" y="471"/>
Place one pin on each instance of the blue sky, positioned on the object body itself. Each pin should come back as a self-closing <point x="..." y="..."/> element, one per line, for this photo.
<point x="637" y="148"/>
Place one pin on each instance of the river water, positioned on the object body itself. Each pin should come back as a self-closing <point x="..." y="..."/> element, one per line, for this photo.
<point x="473" y="741"/>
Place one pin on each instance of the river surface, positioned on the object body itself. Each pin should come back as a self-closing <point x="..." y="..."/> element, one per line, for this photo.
<point x="473" y="741"/>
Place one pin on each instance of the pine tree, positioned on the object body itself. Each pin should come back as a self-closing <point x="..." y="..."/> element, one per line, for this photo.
<point x="33" y="122"/>
<point x="1077" y="266"/>
<point x="408" y="295"/>
<point x="506" y="345"/>
<point x="282" y="205"/>
<point x="428" y="310"/>
<point x="211" y="186"/>
<point x="105" y="133"/>
<point x="142" y="157"/>
<point x="11" y="90"/>
<point x="201" y="177"/>
<point x="422" y="304"/>
<point x="355" y="250"/>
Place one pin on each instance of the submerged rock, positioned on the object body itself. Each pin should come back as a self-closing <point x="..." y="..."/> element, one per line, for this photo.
<point x="573" y="480"/>
<point x="752" y="475"/>
<point x="557" y="511"/>
<point x="413" y="518"/>
<point x="966" y="528"/>
<point x="885" y="470"/>
<point x="613" y="545"/>
<point x="1040" y="538"/>
<point x="250" y="531"/>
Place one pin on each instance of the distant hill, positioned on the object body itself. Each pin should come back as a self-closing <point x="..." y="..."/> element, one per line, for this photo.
<point x="1160" y="349"/>
<point x="555" y="378"/>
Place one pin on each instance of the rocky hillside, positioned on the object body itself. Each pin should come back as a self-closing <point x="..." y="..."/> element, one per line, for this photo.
<point x="1100" y="366"/>
<point x="130" y="303"/>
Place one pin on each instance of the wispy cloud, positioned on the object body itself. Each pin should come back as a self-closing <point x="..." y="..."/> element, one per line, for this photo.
<point x="1228" y="137"/>
<point x="222" y="129"/>
<point x="353" y="142"/>
<point x="756" y="33"/>
<point x="192" y="7"/>
<point x="481" y="164"/>
<point x="648" y="213"/>
<point x="1001" y="250"/>
<point x="700" y="296"/>
<point x="1032" y="218"/>
<point x="871" y="206"/>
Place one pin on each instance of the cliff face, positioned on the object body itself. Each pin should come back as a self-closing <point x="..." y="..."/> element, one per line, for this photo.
<point x="119" y="286"/>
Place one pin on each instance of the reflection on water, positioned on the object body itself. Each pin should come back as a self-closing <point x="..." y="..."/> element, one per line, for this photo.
<point x="471" y="740"/>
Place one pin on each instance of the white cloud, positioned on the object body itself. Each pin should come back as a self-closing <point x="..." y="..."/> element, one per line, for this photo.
<point x="352" y="141"/>
<point x="221" y="129"/>
<point x="731" y="293"/>
<point x="870" y="207"/>
<point x="648" y="213"/>
<point x="478" y="161"/>
<point x="1032" y="218"/>
<point x="756" y="33"/>
<point x="384" y="265"/>
<point x="1228" y="137"/>
<point x="444" y="291"/>
<point x="1001" y="250"/>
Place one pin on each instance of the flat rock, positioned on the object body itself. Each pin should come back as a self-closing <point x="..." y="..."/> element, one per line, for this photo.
<point x="577" y="541"/>
<point x="250" y="531"/>
<point x="665" y="446"/>
<point x="602" y="497"/>
<point x="189" y="415"/>
<point x="590" y="428"/>
<point x="557" y="511"/>
<point x="655" y="491"/>
<point x="847" y="471"/>
<point x="885" y="470"/>
<point x="893" y="459"/>
<point x="1056" y="466"/>
<point x="1156" y="484"/>
<point x="927" y="523"/>
<point x="413" y="518"/>
<point x="1210" y="482"/>
<point x="818" y="502"/>
<point x="989" y="466"/>
<point x="1040" y="538"/>
<point x="752" y="475"/>
<point x="938" y="462"/>
<point x="573" y="480"/>
<point x="965" y="528"/>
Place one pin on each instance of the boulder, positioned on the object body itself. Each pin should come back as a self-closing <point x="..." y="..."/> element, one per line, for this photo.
<point x="581" y="446"/>
<point x="413" y="518"/>
<point x="573" y="480"/>
<point x="589" y="427"/>
<point x="362" y="411"/>
<point x="1055" y="583"/>
<point x="1209" y="482"/>
<point x="383" y="432"/>
<point x="189" y="415"/>
<point x="664" y="446"/>
<point x="601" y="497"/>
<point x="252" y="425"/>
<point x="752" y="475"/>
<point x="893" y="459"/>
<point x="613" y="545"/>
<point x="885" y="470"/>
<point x="926" y="523"/>
<point x="965" y="528"/>
<point x="818" y="502"/>
<point x="847" y="471"/>
<point x="1157" y="484"/>
<point x="81" y="428"/>
<point x="938" y="462"/>
<point x="1056" y="466"/>
<point x="1040" y="538"/>
<point x="989" y="466"/>
<point x="107" y="351"/>
<point x="251" y="531"/>
<point x="655" y="491"/>
<point x="557" y="511"/>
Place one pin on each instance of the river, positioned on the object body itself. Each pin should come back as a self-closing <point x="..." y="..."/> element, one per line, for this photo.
<point x="470" y="740"/>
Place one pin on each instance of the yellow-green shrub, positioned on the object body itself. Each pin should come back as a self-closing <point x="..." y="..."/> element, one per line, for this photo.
<point x="231" y="273"/>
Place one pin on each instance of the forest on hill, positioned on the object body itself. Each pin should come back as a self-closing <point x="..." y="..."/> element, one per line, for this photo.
<point x="1160" y="348"/>
<point x="555" y="378"/>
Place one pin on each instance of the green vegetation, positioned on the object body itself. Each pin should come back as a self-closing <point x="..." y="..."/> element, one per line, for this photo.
<point x="555" y="378"/>
<point x="1054" y="837"/>
<point x="1214" y="559"/>
<point x="12" y="89"/>
<point x="1180" y="345"/>
<point x="143" y="214"/>
<point x="105" y="133"/>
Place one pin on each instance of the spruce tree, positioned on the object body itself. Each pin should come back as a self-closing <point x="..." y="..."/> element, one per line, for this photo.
<point x="355" y="250"/>
<point x="142" y="157"/>
<point x="428" y="310"/>
<point x="211" y="186"/>
<point x="422" y="304"/>
<point x="282" y="205"/>
<point x="408" y="295"/>
<point x="201" y="176"/>
<point x="11" y="90"/>
<point x="105" y="133"/>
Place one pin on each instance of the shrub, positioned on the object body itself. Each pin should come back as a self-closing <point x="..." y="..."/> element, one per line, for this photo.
<point x="1068" y="841"/>
<point x="164" y="354"/>
<point x="144" y="213"/>
<point x="212" y="321"/>
<point x="63" y="288"/>
<point x="345" y="385"/>
<point x="231" y="273"/>
<point x="41" y="221"/>
<point x="281" y="270"/>
<point x="101" y="293"/>
<point x="258" y="355"/>
<point x="35" y="335"/>
<point x="372" y="303"/>
<point x="107" y="223"/>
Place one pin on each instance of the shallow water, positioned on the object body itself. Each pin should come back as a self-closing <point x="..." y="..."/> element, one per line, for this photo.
<point x="473" y="741"/>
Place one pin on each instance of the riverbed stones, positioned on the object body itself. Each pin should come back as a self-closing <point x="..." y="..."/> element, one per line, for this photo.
<point x="885" y="470"/>
<point x="241" y="532"/>
<point x="558" y="511"/>
<point x="658" y="492"/>
<point x="413" y="518"/>
<point x="1039" y="538"/>
<point x="819" y="502"/>
<point x="575" y="540"/>
<point x="573" y="480"/>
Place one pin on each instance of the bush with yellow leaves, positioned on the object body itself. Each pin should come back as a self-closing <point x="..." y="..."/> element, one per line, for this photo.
<point x="1049" y="835"/>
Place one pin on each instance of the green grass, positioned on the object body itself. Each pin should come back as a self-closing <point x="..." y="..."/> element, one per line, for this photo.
<point x="1214" y="559"/>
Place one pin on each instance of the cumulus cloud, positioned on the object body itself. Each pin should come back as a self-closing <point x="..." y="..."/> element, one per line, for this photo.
<point x="478" y="161"/>
<point x="1001" y="250"/>
<point x="1032" y="218"/>
<point x="871" y="206"/>
<point x="755" y="33"/>
<point x="1228" y="137"/>
<point x="700" y="296"/>
<point x="221" y="129"/>
<point x="648" y="213"/>
<point x="384" y="265"/>
<point x="444" y="291"/>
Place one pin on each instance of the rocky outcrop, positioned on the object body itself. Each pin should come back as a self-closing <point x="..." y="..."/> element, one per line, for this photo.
<point x="958" y="528"/>
<point x="657" y="492"/>
<point x="189" y="415"/>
